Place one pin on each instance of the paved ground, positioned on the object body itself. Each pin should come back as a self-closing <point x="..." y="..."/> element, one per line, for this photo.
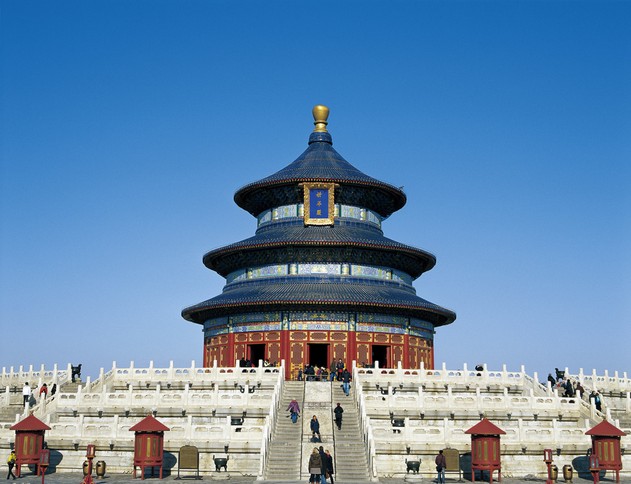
<point x="234" y="479"/>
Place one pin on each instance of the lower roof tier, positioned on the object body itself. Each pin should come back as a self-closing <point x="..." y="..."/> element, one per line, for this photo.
<point x="322" y="294"/>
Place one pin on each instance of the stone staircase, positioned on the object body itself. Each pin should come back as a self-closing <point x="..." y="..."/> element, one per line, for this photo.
<point x="15" y="407"/>
<point x="8" y="412"/>
<point x="286" y="445"/>
<point x="351" y="463"/>
<point x="291" y="444"/>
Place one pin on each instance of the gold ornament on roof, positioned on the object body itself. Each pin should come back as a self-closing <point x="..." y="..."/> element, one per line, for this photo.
<point x="320" y="115"/>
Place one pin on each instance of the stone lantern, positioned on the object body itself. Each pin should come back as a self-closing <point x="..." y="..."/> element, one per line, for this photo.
<point x="148" y="445"/>
<point x="485" y="448"/>
<point x="29" y="441"/>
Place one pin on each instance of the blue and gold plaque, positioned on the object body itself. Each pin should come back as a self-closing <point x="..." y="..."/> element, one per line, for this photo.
<point x="319" y="203"/>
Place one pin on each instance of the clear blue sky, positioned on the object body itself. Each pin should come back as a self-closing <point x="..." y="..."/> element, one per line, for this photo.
<point x="126" y="127"/>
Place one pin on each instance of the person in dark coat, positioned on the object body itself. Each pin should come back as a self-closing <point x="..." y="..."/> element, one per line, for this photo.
<point x="323" y="466"/>
<point x="315" y="429"/>
<point x="315" y="465"/>
<point x="346" y="381"/>
<point x="338" y="411"/>
<point x="579" y="388"/>
<point x="329" y="465"/>
<point x="569" y="388"/>
<point x="339" y="367"/>
<point x="333" y="369"/>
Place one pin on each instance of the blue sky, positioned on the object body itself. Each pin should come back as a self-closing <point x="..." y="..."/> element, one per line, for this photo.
<point x="126" y="127"/>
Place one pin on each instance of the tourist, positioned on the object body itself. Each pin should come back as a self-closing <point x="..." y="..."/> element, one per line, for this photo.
<point x="346" y="379"/>
<point x="596" y="400"/>
<point x="322" y="465"/>
<point x="315" y="429"/>
<point x="315" y="463"/>
<point x="580" y="390"/>
<point x="339" y="368"/>
<point x="333" y="369"/>
<point x="441" y="464"/>
<point x="26" y="393"/>
<point x="338" y="411"/>
<point x="329" y="465"/>
<point x="294" y="410"/>
<point x="43" y="391"/>
<point x="569" y="388"/>
<point x="53" y="390"/>
<point x="11" y="464"/>
<point x="551" y="380"/>
<point x="309" y="373"/>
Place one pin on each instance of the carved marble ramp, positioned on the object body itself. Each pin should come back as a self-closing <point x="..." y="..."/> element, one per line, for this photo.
<point x="317" y="402"/>
<point x="285" y="448"/>
<point x="351" y="462"/>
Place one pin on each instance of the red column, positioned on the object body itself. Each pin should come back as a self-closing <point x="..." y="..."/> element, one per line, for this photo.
<point x="351" y="349"/>
<point x="205" y="353"/>
<point x="285" y="353"/>
<point x="406" y="351"/>
<point x="232" y="360"/>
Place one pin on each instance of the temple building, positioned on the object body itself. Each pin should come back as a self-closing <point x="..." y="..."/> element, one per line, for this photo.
<point x="319" y="281"/>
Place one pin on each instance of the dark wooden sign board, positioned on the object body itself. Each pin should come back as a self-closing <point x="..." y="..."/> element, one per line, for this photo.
<point x="188" y="460"/>
<point x="452" y="458"/>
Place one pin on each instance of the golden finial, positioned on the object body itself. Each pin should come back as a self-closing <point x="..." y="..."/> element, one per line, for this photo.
<point x="320" y="115"/>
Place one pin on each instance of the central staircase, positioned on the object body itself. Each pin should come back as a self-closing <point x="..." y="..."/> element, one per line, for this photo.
<point x="291" y="444"/>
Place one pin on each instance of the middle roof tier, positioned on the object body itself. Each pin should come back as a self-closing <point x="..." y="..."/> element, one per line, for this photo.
<point x="293" y="242"/>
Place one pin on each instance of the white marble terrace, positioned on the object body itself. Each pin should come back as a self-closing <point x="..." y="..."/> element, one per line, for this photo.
<point x="413" y="413"/>
<point x="405" y="413"/>
<point x="212" y="408"/>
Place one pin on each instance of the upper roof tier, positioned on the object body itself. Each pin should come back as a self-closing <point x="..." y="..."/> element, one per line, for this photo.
<point x="320" y="163"/>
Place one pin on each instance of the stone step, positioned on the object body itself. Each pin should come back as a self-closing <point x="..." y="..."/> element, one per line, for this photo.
<point x="351" y="459"/>
<point x="283" y="460"/>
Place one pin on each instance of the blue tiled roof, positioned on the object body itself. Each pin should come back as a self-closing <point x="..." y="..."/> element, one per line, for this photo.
<point x="296" y="234"/>
<point x="331" y="293"/>
<point x="319" y="163"/>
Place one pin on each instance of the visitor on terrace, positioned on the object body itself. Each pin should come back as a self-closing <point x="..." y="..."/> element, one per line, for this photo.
<point x="333" y="369"/>
<point x="339" y="367"/>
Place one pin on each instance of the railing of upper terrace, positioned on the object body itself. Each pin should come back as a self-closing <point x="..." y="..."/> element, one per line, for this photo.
<point x="364" y="422"/>
<point x="12" y="380"/>
<point x="270" y="421"/>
